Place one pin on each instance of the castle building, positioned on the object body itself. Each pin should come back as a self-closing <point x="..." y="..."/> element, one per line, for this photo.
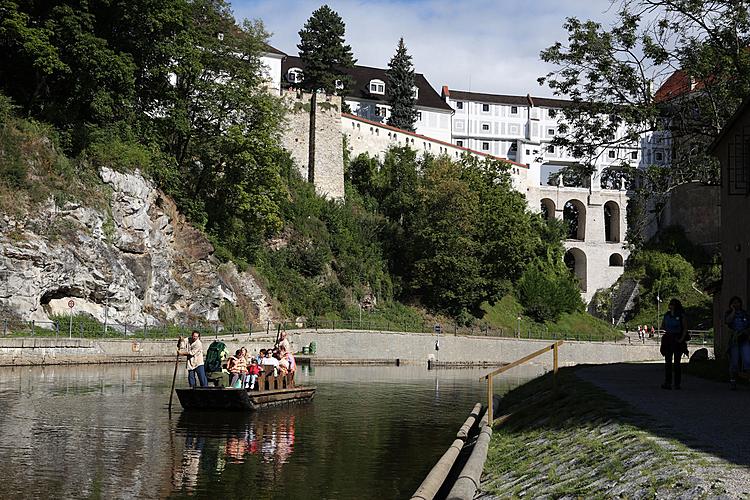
<point x="368" y="97"/>
<point x="522" y="128"/>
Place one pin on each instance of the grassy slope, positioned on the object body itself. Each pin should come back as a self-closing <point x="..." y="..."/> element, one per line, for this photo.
<point x="586" y="444"/>
<point x="504" y="315"/>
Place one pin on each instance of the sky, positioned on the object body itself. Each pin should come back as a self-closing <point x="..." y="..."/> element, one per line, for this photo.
<point x="479" y="45"/>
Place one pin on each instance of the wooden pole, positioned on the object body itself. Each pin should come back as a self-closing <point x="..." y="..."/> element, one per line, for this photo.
<point x="554" y="364"/>
<point x="174" y="376"/>
<point x="490" y="393"/>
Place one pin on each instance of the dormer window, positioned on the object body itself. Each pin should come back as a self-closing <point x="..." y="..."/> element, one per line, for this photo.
<point x="339" y="85"/>
<point x="295" y="75"/>
<point x="416" y="92"/>
<point x="377" y="87"/>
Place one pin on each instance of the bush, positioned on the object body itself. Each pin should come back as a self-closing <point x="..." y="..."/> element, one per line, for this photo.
<point x="546" y="292"/>
<point x="231" y="316"/>
<point x="663" y="274"/>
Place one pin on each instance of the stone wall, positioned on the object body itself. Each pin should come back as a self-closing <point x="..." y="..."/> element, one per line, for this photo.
<point x="329" y="153"/>
<point x="341" y="345"/>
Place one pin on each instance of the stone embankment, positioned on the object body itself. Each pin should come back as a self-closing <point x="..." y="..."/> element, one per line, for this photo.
<point x="583" y="443"/>
<point x="332" y="347"/>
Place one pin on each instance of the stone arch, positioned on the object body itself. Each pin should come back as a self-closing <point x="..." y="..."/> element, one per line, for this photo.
<point x="612" y="222"/>
<point x="547" y="207"/>
<point x="574" y="214"/>
<point x="575" y="260"/>
<point x="615" y="260"/>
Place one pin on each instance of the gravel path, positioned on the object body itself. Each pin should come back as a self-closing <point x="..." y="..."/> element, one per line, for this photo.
<point x="705" y="415"/>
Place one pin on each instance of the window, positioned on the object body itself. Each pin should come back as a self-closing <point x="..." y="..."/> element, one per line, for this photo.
<point x="377" y="87"/>
<point x="381" y="111"/>
<point x="611" y="154"/>
<point x="551" y="113"/>
<point x="460" y="144"/>
<point x="550" y="131"/>
<point x="486" y="108"/>
<point x="658" y="156"/>
<point x="295" y="75"/>
<point x="459" y="105"/>
<point x="416" y="93"/>
<point x="514" y="110"/>
<point x="634" y="155"/>
<point x="738" y="167"/>
<point x="419" y="116"/>
<point x="485" y="146"/>
<point x="551" y="149"/>
<point x="485" y="126"/>
<point x="528" y="151"/>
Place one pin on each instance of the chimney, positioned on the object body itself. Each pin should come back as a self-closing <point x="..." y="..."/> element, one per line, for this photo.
<point x="531" y="101"/>
<point x="446" y="92"/>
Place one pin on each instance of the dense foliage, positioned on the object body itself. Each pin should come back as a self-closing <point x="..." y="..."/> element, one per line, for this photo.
<point x="175" y="89"/>
<point x="400" y="89"/>
<point x="612" y="74"/>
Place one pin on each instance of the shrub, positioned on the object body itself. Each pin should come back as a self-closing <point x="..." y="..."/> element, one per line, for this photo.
<point x="546" y="291"/>
<point x="663" y="274"/>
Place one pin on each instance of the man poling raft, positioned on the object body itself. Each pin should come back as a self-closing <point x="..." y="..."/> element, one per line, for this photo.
<point x="240" y="381"/>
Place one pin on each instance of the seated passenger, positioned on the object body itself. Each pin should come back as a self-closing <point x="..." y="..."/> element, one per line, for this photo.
<point x="238" y="370"/>
<point x="283" y="363"/>
<point x="253" y="371"/>
<point x="271" y="362"/>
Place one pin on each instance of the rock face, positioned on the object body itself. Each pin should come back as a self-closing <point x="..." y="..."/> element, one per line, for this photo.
<point x="137" y="262"/>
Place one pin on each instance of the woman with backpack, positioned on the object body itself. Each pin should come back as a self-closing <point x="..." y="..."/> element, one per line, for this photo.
<point x="673" y="343"/>
<point x="737" y="320"/>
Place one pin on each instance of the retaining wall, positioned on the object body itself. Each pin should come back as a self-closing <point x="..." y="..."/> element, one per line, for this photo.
<point x="331" y="346"/>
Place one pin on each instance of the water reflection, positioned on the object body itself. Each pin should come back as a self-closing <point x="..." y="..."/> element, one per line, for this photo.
<point x="100" y="431"/>
<point x="224" y="439"/>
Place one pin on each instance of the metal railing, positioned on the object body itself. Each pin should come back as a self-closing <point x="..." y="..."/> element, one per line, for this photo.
<point x="490" y="390"/>
<point x="87" y="327"/>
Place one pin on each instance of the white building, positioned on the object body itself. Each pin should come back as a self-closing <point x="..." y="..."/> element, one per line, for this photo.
<point x="271" y="59"/>
<point x="521" y="128"/>
<point x="368" y="98"/>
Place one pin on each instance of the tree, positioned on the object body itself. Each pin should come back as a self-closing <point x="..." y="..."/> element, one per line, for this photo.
<point x="325" y="57"/>
<point x="611" y="74"/>
<point x="401" y="87"/>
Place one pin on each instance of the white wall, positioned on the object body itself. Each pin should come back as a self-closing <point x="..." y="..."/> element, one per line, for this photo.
<point x="432" y="122"/>
<point x="364" y="136"/>
<point x="272" y="72"/>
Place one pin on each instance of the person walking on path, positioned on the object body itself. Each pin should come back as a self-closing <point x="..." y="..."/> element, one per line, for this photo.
<point x="739" y="344"/>
<point x="195" y="361"/>
<point x="673" y="343"/>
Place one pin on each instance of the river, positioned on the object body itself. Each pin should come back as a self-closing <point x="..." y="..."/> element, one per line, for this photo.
<point x="104" y="431"/>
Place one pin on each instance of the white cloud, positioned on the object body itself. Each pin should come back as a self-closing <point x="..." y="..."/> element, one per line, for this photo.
<point x="487" y="46"/>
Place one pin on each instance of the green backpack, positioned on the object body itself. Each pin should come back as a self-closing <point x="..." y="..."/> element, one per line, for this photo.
<point x="217" y="353"/>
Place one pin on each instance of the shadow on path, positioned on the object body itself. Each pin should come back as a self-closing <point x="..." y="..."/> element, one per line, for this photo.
<point x="704" y="415"/>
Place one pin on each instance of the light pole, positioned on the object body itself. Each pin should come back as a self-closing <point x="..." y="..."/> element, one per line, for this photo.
<point x="518" y="332"/>
<point x="658" y="313"/>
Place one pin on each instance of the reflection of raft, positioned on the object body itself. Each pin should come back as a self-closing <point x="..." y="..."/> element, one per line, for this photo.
<point x="273" y="391"/>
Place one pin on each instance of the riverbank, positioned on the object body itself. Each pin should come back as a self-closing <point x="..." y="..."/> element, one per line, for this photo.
<point x="337" y="347"/>
<point x="585" y="443"/>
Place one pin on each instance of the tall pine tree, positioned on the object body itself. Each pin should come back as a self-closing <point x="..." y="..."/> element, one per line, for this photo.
<point x="401" y="85"/>
<point x="325" y="57"/>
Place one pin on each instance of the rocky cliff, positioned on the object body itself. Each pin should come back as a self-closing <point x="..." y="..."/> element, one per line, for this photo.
<point x="136" y="260"/>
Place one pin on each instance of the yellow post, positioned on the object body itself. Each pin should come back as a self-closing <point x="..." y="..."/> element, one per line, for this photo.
<point x="554" y="365"/>
<point x="490" y="418"/>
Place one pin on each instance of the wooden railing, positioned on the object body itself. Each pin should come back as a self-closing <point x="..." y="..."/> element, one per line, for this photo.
<point x="490" y="391"/>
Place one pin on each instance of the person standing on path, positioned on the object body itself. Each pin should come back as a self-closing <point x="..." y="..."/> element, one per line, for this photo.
<point x="739" y="344"/>
<point x="673" y="343"/>
<point x="195" y="361"/>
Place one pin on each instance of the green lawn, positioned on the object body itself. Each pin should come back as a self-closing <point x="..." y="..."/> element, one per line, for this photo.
<point x="580" y="325"/>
